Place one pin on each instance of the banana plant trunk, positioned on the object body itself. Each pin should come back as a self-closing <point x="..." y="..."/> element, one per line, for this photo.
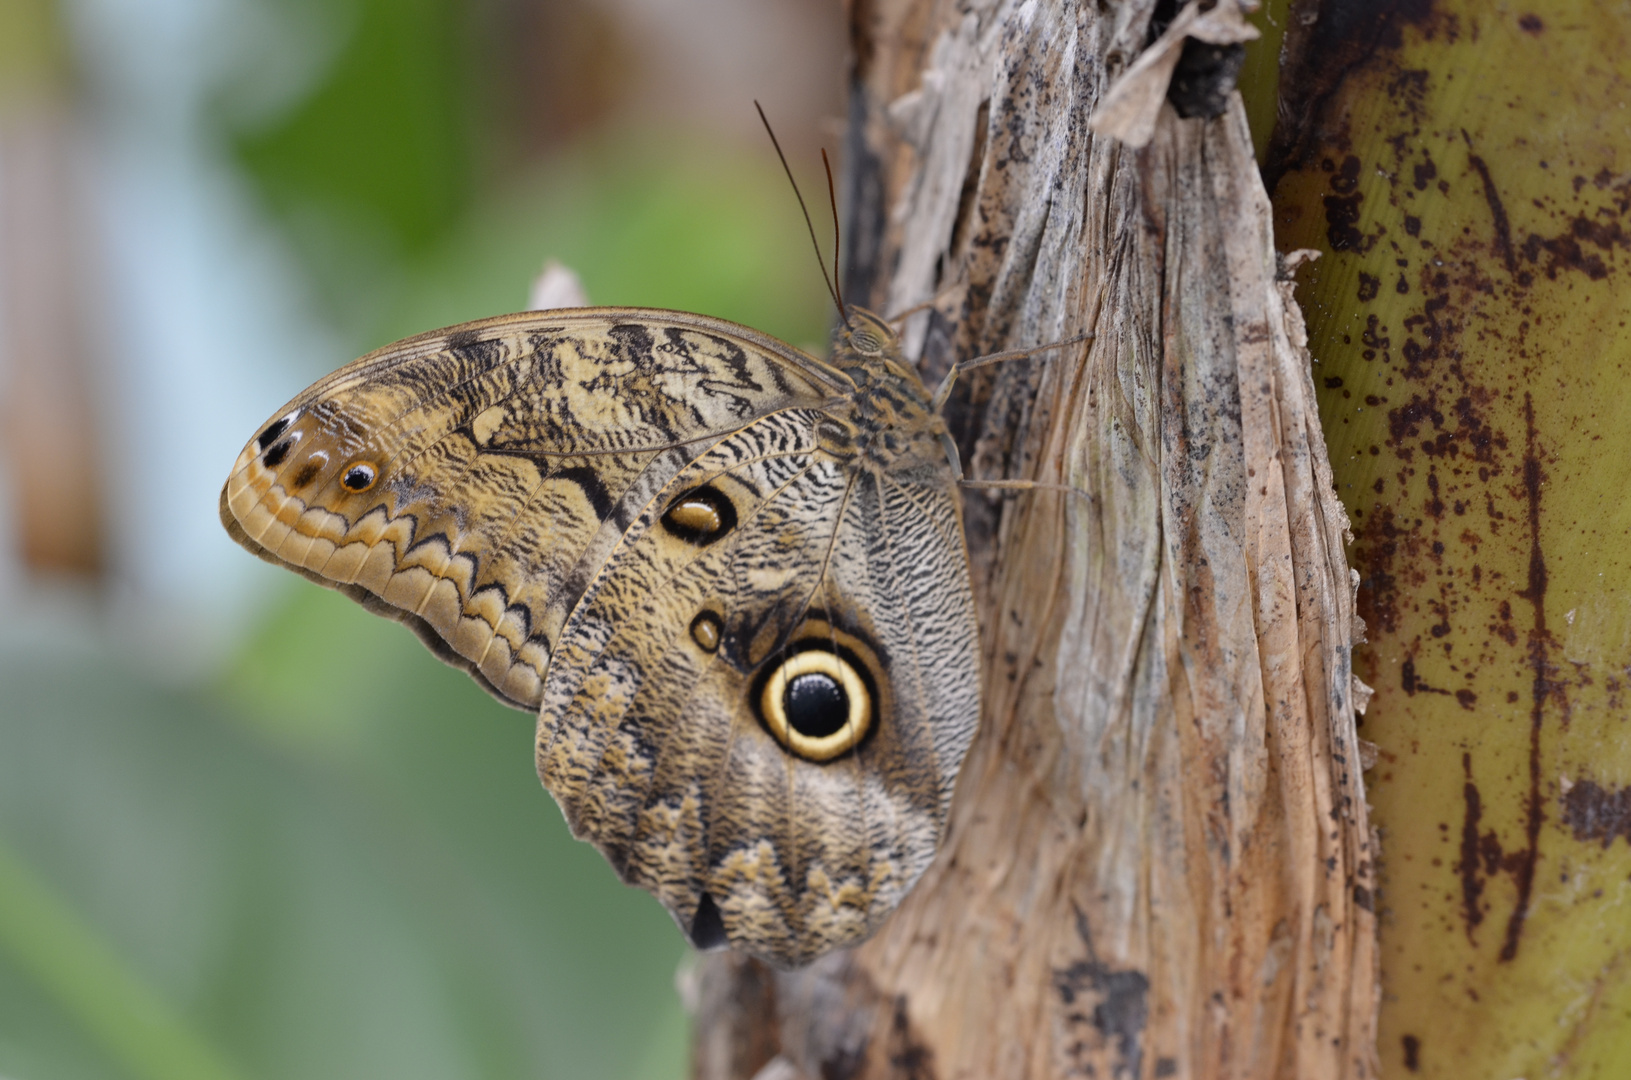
<point x="1159" y="861"/>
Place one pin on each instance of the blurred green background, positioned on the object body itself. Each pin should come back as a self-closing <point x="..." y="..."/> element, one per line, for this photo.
<point x="247" y="829"/>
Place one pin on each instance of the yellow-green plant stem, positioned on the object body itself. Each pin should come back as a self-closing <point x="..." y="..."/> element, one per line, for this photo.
<point x="1468" y="182"/>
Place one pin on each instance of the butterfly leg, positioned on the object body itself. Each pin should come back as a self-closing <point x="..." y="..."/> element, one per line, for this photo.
<point x="1025" y="485"/>
<point x="941" y="395"/>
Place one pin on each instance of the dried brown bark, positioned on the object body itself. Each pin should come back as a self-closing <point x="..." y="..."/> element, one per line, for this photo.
<point x="1159" y="862"/>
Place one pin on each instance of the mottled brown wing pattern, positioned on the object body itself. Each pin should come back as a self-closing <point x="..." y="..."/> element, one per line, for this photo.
<point x="731" y="578"/>
<point x="654" y="743"/>
<point x="467" y="482"/>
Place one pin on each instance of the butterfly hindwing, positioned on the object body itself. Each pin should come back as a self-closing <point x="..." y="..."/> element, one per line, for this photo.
<point x="653" y="734"/>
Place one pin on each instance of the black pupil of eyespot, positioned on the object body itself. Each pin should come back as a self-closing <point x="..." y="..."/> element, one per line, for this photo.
<point x="816" y="704"/>
<point x="358" y="478"/>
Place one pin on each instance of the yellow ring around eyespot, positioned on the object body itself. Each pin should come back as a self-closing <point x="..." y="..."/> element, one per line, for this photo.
<point x="826" y="747"/>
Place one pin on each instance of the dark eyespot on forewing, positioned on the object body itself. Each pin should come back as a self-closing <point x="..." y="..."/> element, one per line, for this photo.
<point x="270" y="435"/>
<point x="274" y="457"/>
<point x="708" y="630"/>
<point x="701" y="516"/>
<point x="360" y="477"/>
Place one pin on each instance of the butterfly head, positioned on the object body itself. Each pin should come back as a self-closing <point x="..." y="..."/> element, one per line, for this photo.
<point x="865" y="334"/>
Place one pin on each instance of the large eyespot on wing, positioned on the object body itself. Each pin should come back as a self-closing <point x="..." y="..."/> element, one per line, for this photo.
<point x="455" y="481"/>
<point x="818" y="697"/>
<point x="795" y="835"/>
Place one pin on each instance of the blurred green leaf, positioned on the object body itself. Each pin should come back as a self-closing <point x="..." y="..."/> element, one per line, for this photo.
<point x="373" y="173"/>
<point x="87" y="980"/>
<point x="402" y="900"/>
<point x="385" y="135"/>
<point x="377" y="160"/>
<point x="645" y="219"/>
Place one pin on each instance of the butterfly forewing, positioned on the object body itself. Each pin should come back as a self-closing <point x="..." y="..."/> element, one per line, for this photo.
<point x="454" y="481"/>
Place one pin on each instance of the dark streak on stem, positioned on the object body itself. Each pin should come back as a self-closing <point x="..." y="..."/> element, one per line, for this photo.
<point x="1472" y="883"/>
<point x="1503" y="229"/>
<point x="1524" y="870"/>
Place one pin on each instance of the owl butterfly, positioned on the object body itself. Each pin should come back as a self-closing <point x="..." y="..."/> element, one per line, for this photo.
<point x="729" y="578"/>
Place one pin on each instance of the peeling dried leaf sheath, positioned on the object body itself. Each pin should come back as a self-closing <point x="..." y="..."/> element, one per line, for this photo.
<point x="1159" y="862"/>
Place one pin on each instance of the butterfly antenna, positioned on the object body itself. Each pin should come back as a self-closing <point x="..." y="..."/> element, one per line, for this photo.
<point x="832" y="198"/>
<point x="831" y="291"/>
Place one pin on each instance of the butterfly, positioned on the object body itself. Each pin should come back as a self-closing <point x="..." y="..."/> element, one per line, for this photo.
<point x="730" y="578"/>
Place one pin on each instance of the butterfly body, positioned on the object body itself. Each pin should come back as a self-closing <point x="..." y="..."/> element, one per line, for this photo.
<point x="729" y="577"/>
